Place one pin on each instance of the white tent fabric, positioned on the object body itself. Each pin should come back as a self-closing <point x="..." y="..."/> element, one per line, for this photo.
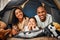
<point x="3" y="3"/>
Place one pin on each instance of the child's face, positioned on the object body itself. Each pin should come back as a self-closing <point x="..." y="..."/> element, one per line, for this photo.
<point x="32" y="22"/>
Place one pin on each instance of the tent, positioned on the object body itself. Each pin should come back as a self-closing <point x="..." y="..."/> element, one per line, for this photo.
<point x="30" y="8"/>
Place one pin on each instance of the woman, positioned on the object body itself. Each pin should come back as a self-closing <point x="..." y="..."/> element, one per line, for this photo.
<point x="19" y="20"/>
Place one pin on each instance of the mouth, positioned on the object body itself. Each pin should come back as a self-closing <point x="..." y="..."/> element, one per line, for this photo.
<point x="20" y="15"/>
<point x="41" y="16"/>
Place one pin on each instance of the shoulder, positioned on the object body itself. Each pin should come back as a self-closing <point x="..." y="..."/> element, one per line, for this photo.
<point x="49" y="15"/>
<point x="27" y="18"/>
<point x="36" y="16"/>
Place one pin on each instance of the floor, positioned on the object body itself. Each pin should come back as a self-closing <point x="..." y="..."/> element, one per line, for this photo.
<point x="39" y="38"/>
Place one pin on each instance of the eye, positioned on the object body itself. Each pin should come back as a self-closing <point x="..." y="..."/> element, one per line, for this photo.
<point x="42" y="11"/>
<point x="38" y="12"/>
<point x="19" y="11"/>
<point x="50" y="27"/>
<point x="16" y="13"/>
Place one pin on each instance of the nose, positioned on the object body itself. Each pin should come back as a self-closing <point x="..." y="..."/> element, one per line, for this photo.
<point x="40" y="14"/>
<point x="19" y="13"/>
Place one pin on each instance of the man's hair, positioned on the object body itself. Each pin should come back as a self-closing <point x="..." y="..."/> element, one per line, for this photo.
<point x="41" y="6"/>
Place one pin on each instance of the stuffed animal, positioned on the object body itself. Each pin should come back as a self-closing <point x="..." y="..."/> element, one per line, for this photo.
<point x="54" y="29"/>
<point x="57" y="26"/>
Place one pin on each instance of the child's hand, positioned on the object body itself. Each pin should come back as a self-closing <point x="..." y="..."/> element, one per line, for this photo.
<point x="33" y="25"/>
<point x="29" y="26"/>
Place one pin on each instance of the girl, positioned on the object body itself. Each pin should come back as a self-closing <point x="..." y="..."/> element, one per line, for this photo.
<point x="32" y="25"/>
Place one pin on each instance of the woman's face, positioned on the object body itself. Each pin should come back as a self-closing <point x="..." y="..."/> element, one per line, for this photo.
<point x="19" y="13"/>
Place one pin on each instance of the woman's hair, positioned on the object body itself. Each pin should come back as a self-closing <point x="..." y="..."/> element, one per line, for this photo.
<point x="14" y="18"/>
<point x="34" y="19"/>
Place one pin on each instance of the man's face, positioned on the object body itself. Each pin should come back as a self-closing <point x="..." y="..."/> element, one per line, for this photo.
<point x="41" y="12"/>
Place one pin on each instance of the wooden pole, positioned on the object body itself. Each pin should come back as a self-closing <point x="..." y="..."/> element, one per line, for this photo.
<point x="57" y="2"/>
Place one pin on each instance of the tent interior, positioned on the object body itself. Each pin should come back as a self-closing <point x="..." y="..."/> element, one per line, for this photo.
<point x="29" y="8"/>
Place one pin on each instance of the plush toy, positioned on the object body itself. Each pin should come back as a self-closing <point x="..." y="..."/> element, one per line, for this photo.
<point x="54" y="29"/>
<point x="57" y="26"/>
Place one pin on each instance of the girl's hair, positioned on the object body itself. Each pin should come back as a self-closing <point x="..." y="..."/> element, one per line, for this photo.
<point x="34" y="19"/>
<point x="14" y="19"/>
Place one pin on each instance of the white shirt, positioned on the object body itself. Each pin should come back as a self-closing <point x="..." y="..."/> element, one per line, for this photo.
<point x="45" y="23"/>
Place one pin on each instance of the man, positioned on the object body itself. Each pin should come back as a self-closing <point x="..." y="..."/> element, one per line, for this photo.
<point x="43" y="19"/>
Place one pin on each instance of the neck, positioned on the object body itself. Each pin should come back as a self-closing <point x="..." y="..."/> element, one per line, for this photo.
<point x="20" y="20"/>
